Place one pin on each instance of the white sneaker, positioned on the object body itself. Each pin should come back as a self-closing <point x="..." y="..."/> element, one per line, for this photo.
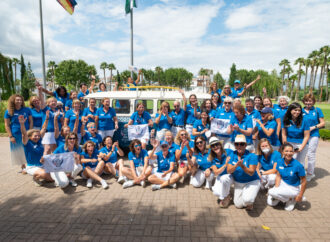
<point x="289" y="205"/>
<point x="155" y="187"/>
<point x="207" y="185"/>
<point x="37" y="182"/>
<point x="121" y="179"/>
<point x="272" y="201"/>
<point x="173" y="185"/>
<point x="73" y="183"/>
<point x="89" y="183"/>
<point x="310" y="177"/>
<point x="143" y="183"/>
<point x="127" y="184"/>
<point x="77" y="168"/>
<point x="104" y="184"/>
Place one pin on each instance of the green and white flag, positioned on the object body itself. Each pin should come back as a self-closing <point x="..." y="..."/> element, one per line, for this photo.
<point x="129" y="5"/>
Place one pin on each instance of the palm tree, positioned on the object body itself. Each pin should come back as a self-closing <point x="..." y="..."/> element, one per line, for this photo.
<point x="307" y="64"/>
<point x="203" y="72"/>
<point x="111" y="67"/>
<point x="313" y="56"/>
<point x="283" y="63"/>
<point x="52" y="65"/>
<point x="299" y="61"/>
<point x="158" y="71"/>
<point x="15" y="63"/>
<point x="143" y="72"/>
<point x="324" y="52"/>
<point x="293" y="78"/>
<point x="104" y="66"/>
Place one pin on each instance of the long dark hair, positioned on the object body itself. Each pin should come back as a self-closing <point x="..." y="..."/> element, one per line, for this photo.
<point x="208" y="116"/>
<point x="58" y="91"/>
<point x="288" y="116"/>
<point x="219" y="99"/>
<point x="196" y="149"/>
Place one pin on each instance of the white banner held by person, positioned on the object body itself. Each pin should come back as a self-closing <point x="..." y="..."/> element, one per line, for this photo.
<point x="140" y="131"/>
<point x="59" y="162"/>
<point x="219" y="126"/>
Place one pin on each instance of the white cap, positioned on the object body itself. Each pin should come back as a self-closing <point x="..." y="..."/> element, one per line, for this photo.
<point x="240" y="138"/>
<point x="214" y="140"/>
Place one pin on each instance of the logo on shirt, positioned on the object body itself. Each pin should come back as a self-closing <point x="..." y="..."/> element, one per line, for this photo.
<point x="281" y="167"/>
<point x="291" y="173"/>
<point x="35" y="146"/>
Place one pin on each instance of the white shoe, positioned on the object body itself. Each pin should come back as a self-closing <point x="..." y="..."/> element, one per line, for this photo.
<point x="155" y="187"/>
<point x="73" y="183"/>
<point x="310" y="177"/>
<point x="127" y="184"/>
<point x="207" y="185"/>
<point x="37" y="182"/>
<point x="289" y="205"/>
<point x="121" y="179"/>
<point x="89" y="183"/>
<point x="77" y="168"/>
<point x="173" y="185"/>
<point x="104" y="184"/>
<point x="143" y="183"/>
<point x="272" y="201"/>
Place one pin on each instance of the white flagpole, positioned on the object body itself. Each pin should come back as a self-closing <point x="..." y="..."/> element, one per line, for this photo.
<point x="131" y="12"/>
<point x="42" y="46"/>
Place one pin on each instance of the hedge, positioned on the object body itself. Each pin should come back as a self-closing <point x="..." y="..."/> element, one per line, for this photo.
<point x="325" y="134"/>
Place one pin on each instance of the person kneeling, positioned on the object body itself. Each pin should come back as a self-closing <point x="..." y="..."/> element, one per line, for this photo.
<point x="164" y="176"/>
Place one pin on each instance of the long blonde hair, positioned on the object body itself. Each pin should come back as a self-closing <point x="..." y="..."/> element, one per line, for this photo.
<point x="178" y="139"/>
<point x="11" y="103"/>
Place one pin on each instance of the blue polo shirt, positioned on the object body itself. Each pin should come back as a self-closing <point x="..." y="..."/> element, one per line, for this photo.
<point x="131" y="85"/>
<point x="15" y="126"/>
<point x="235" y="92"/>
<point x="172" y="148"/>
<point x="313" y="117"/>
<point x="280" y="111"/>
<point x="200" y="127"/>
<point x="61" y="149"/>
<point x="164" y="163"/>
<point x="113" y="156"/>
<point x="62" y="99"/>
<point x="106" y="119"/>
<point x="244" y="124"/>
<point x="87" y="156"/>
<point x="72" y="119"/>
<point x="69" y="104"/>
<point x="223" y="114"/>
<point x="60" y="141"/>
<point x="292" y="172"/>
<point x="81" y="94"/>
<point x="33" y="153"/>
<point x="87" y="112"/>
<point x="50" y="126"/>
<point x="37" y="117"/>
<point x="248" y="159"/>
<point x="296" y="134"/>
<point x="273" y="139"/>
<point x="220" y="163"/>
<point x="255" y="114"/>
<point x="202" y="161"/>
<point x="190" y="114"/>
<point x="268" y="164"/>
<point x="143" y="119"/>
<point x="184" y="150"/>
<point x="178" y="119"/>
<point x="97" y="139"/>
<point x="138" y="161"/>
<point x="163" y="122"/>
<point x="218" y="91"/>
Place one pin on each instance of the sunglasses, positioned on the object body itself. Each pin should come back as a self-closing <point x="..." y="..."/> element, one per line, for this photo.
<point x="176" y="106"/>
<point x="227" y="102"/>
<point x="240" y="144"/>
<point x="183" y="134"/>
<point x="71" y="138"/>
<point x="164" y="146"/>
<point x="137" y="146"/>
<point x="199" y="142"/>
<point x="93" y="127"/>
<point x="215" y="145"/>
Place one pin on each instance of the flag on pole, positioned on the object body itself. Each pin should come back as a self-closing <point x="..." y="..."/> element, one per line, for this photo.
<point x="68" y="5"/>
<point x="129" y="5"/>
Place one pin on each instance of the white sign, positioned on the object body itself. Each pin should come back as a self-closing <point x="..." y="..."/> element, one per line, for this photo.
<point x="219" y="126"/>
<point x="139" y="132"/>
<point x="133" y="68"/>
<point x="59" y="162"/>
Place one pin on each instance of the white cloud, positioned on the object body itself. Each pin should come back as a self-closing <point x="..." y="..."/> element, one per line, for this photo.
<point x="243" y="17"/>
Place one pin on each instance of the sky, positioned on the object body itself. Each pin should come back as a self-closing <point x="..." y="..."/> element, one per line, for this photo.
<point x="253" y="34"/>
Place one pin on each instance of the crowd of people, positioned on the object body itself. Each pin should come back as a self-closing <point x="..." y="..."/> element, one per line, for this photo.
<point x="261" y="145"/>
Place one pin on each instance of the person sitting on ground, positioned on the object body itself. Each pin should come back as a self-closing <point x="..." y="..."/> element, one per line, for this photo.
<point x="91" y="134"/>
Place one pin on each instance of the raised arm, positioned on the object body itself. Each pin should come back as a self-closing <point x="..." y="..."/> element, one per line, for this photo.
<point x="138" y="77"/>
<point x="253" y="82"/>
<point x="45" y="125"/>
<point x="92" y="84"/>
<point x="56" y="126"/>
<point x="43" y="89"/>
<point x="76" y="123"/>
<point x="184" y="99"/>
<point x="41" y="97"/>
<point x="22" y="120"/>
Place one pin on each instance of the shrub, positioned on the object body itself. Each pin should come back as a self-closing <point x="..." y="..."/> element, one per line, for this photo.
<point x="325" y="134"/>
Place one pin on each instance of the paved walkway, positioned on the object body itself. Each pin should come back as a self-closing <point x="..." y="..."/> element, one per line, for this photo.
<point x="33" y="213"/>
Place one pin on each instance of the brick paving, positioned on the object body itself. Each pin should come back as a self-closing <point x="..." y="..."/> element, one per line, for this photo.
<point x="47" y="213"/>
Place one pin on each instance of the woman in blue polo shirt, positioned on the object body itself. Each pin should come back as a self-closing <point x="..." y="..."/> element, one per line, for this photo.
<point x="192" y="113"/>
<point x="221" y="187"/>
<point x="90" y="134"/>
<point x="33" y="150"/>
<point x="36" y="111"/>
<point x="109" y="154"/>
<point x="178" y="115"/>
<point x="65" y="130"/>
<point x="296" y="131"/>
<point x="16" y="107"/>
<point x="140" y="117"/>
<point x="214" y="88"/>
<point x="139" y="169"/>
<point x="316" y="121"/>
<point x="90" y="112"/>
<point x="201" y="126"/>
<point x="92" y="165"/>
<point x="216" y="101"/>
<point x="240" y="123"/>
<point x="202" y="169"/>
<point x="166" y="160"/>
<point x="290" y="182"/>
<point x="242" y="165"/>
<point x="60" y="93"/>
<point x="71" y="117"/>
<point x="68" y="103"/>
<point x="282" y="106"/>
<point x="267" y="102"/>
<point x="267" y="128"/>
<point x="267" y="161"/>
<point x="105" y="119"/>
<point x="163" y="120"/>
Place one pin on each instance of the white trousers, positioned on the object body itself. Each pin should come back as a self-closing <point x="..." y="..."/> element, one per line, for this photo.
<point x="284" y="192"/>
<point x="268" y="180"/>
<point x="245" y="193"/>
<point x="313" y="142"/>
<point x="105" y="133"/>
<point x="189" y="129"/>
<point x="175" y="130"/>
<point x="161" y="134"/>
<point x="199" y="178"/>
<point x="301" y="156"/>
<point x="222" y="185"/>
<point x="60" y="178"/>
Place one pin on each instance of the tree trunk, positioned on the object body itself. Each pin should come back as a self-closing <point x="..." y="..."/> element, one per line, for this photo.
<point x="105" y="80"/>
<point x="314" y="78"/>
<point x="306" y="72"/>
<point x="291" y="91"/>
<point x="311" y="79"/>
<point x="110" y="78"/>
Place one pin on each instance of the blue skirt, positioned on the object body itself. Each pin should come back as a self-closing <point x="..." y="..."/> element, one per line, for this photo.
<point x="17" y="155"/>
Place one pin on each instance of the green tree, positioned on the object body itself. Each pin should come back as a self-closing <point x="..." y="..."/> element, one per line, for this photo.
<point x="284" y="63"/>
<point x="325" y="52"/>
<point x="219" y="80"/>
<point x="307" y="64"/>
<point x="313" y="57"/>
<point x="111" y="67"/>
<point x="203" y="72"/>
<point x="300" y="61"/>
<point x="15" y="63"/>
<point x="104" y="66"/>
<point x="24" y="91"/>
<point x="159" y="75"/>
<point x="232" y="75"/>
<point x="51" y="73"/>
<point x="149" y="75"/>
<point x="178" y="77"/>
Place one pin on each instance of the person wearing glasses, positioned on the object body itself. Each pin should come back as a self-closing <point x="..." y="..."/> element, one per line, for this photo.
<point x="163" y="120"/>
<point x="267" y="161"/>
<point x="91" y="133"/>
<point x="242" y="165"/>
<point x="223" y="181"/>
<point x="201" y="126"/>
<point x="240" y="123"/>
<point x="216" y="101"/>
<point x="296" y="131"/>
<point x="139" y="169"/>
<point x="193" y="113"/>
<point x="105" y="119"/>
<point x="165" y="176"/>
<point x="92" y="165"/>
<point x="178" y="115"/>
<point x="184" y="148"/>
<point x="316" y="120"/>
<point x="290" y="183"/>
<point x="202" y="167"/>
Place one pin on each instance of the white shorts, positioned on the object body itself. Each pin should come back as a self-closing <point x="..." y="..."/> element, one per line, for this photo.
<point x="160" y="176"/>
<point x="175" y="130"/>
<point x="161" y="134"/>
<point x="32" y="169"/>
<point x="105" y="133"/>
<point x="138" y="170"/>
<point x="189" y="129"/>
<point x="49" y="139"/>
<point x="83" y="176"/>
